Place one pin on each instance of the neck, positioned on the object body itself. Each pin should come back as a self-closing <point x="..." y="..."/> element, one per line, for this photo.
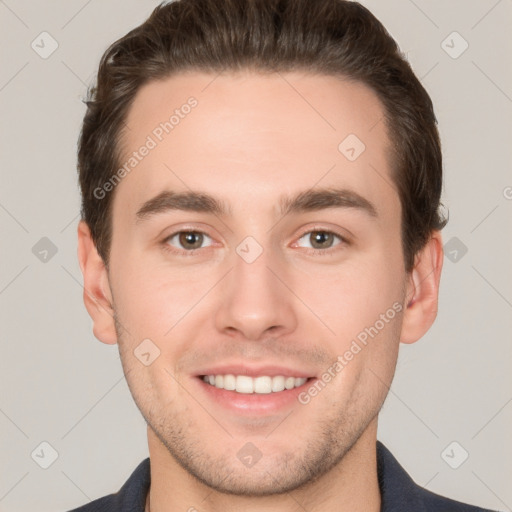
<point x="352" y="485"/>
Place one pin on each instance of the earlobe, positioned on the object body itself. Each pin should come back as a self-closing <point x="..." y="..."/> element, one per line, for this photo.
<point x="97" y="294"/>
<point x="423" y="290"/>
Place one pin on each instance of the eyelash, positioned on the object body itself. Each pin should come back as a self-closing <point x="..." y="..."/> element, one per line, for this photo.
<point x="315" y="252"/>
<point x="169" y="248"/>
<point x="330" y="250"/>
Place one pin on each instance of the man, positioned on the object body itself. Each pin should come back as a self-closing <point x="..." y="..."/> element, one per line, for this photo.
<point x="260" y="230"/>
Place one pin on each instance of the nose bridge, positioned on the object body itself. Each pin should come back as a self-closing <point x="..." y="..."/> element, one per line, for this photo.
<point x="254" y="301"/>
<point x="252" y="270"/>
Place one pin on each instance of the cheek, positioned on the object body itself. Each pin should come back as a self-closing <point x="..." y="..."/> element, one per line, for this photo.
<point x="154" y="387"/>
<point x="153" y="298"/>
<point x="365" y="315"/>
<point x="353" y="295"/>
<point x="361" y="303"/>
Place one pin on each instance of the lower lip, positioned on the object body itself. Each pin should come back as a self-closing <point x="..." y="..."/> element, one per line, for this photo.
<point x="254" y="403"/>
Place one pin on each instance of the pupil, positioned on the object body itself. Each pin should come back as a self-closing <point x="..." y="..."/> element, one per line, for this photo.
<point x="319" y="239"/>
<point x="191" y="240"/>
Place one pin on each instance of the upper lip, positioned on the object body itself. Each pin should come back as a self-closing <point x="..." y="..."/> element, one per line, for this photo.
<point x="254" y="371"/>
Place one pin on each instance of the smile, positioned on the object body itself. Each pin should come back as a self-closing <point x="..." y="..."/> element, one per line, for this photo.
<point x="246" y="384"/>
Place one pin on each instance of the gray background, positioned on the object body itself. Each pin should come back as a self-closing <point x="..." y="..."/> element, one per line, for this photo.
<point x="61" y="386"/>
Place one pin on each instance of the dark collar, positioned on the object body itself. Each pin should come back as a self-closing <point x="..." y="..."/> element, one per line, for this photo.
<point x="398" y="491"/>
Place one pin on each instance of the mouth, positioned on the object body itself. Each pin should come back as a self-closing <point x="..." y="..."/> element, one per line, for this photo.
<point x="254" y="391"/>
<point x="261" y="385"/>
<point x="258" y="396"/>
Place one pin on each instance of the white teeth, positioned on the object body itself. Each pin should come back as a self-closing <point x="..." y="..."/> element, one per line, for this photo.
<point x="244" y="384"/>
<point x="248" y="385"/>
<point x="229" y="382"/>
<point x="289" y="383"/>
<point x="278" y="383"/>
<point x="263" y="385"/>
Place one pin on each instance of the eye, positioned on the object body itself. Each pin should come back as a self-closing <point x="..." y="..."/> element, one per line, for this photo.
<point x="320" y="239"/>
<point x="188" y="240"/>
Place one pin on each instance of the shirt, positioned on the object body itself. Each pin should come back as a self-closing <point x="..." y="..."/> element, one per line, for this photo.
<point x="399" y="493"/>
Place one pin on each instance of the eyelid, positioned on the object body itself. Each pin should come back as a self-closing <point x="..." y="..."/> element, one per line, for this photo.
<point x="337" y="232"/>
<point x="204" y="229"/>
<point x="181" y="231"/>
<point x="184" y="252"/>
<point x="344" y="240"/>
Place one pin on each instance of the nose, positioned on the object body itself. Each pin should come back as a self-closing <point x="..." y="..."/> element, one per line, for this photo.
<point x="254" y="302"/>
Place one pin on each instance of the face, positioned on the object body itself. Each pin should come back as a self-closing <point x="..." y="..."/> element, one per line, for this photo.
<point x="253" y="239"/>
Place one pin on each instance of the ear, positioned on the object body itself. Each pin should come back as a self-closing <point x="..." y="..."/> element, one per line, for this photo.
<point x="97" y="293"/>
<point x="422" y="290"/>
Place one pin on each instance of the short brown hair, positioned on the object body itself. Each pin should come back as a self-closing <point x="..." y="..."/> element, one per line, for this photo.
<point x="330" y="37"/>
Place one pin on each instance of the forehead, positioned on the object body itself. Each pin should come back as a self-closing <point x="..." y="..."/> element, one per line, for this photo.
<point x="250" y="135"/>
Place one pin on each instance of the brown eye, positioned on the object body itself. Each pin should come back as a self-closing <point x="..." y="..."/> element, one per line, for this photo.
<point x="191" y="240"/>
<point x="321" y="239"/>
<point x="188" y="240"/>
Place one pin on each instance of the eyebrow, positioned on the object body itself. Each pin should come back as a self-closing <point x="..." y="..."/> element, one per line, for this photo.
<point x="306" y="201"/>
<point x="320" y="199"/>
